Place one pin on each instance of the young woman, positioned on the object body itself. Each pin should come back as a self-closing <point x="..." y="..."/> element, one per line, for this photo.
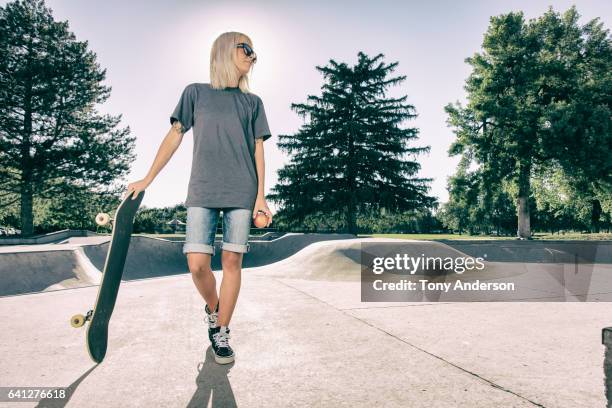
<point x="227" y="174"/>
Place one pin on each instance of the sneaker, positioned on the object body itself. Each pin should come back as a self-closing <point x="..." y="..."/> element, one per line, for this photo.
<point x="212" y="320"/>
<point x="223" y="352"/>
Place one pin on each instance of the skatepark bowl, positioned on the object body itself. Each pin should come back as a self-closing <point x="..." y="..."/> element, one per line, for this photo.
<point x="78" y="262"/>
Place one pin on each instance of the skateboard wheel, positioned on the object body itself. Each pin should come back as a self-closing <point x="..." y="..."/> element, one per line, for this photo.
<point x="77" y="320"/>
<point x="102" y="219"/>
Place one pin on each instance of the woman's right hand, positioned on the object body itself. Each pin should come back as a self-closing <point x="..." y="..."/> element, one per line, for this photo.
<point x="136" y="187"/>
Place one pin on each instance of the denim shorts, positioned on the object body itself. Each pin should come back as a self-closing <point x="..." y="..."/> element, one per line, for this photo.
<point x="202" y="226"/>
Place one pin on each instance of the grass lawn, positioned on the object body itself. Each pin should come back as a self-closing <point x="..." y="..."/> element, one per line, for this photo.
<point x="433" y="237"/>
<point x="537" y="237"/>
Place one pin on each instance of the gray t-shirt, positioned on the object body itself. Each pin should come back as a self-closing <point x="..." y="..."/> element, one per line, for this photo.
<point x="225" y="124"/>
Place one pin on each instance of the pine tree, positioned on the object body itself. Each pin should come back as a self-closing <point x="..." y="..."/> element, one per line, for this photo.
<point x="351" y="154"/>
<point x="51" y="136"/>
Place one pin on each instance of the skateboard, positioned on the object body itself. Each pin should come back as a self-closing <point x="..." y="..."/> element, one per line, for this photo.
<point x="99" y="316"/>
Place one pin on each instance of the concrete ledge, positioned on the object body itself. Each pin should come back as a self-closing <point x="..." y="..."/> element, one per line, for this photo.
<point x="48" y="238"/>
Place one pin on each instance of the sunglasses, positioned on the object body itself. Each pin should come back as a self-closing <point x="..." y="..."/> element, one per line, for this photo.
<point x="248" y="51"/>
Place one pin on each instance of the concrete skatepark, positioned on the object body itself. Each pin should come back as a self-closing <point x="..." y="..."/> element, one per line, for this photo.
<point x="301" y="333"/>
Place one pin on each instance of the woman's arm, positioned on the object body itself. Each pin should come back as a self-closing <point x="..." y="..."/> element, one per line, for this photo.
<point x="167" y="148"/>
<point x="171" y="142"/>
<point x="261" y="167"/>
<point x="260" y="202"/>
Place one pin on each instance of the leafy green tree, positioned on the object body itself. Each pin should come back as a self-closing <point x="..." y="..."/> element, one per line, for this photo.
<point x="50" y="129"/>
<point x="76" y="209"/>
<point x="520" y="85"/>
<point x="146" y="221"/>
<point x="462" y="196"/>
<point x="559" y="205"/>
<point x="576" y="91"/>
<point x="352" y="151"/>
<point x="476" y="204"/>
<point x="553" y="198"/>
<point x="153" y="220"/>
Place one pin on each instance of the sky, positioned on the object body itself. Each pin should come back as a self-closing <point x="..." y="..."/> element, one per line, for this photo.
<point x="152" y="49"/>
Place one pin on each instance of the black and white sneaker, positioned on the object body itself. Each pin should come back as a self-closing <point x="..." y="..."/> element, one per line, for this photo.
<point x="212" y="319"/>
<point x="223" y="352"/>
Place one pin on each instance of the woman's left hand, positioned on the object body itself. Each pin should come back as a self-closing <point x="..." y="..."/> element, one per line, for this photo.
<point x="261" y="205"/>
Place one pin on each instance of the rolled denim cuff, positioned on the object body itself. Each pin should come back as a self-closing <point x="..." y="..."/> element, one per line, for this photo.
<point x="227" y="246"/>
<point x="202" y="248"/>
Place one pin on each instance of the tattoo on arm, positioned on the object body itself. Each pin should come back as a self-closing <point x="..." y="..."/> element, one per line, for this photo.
<point x="178" y="126"/>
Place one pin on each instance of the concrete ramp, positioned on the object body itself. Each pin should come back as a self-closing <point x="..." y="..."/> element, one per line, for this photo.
<point x="341" y="260"/>
<point x="38" y="271"/>
<point x="153" y="257"/>
<point x="147" y="258"/>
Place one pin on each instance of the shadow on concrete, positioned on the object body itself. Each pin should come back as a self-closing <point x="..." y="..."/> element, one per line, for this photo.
<point x="58" y="403"/>
<point x="213" y="383"/>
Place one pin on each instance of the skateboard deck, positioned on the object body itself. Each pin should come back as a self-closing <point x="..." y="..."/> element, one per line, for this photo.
<point x="99" y="316"/>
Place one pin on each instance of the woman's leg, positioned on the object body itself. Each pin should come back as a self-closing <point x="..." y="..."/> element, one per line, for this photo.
<point x="203" y="277"/>
<point x="236" y="227"/>
<point x="230" y="285"/>
<point x="199" y="248"/>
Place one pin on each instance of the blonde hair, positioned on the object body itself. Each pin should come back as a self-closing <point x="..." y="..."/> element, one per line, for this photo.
<point x="223" y="70"/>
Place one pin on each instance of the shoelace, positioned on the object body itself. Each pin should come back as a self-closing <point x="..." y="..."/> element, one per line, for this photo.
<point x="211" y="319"/>
<point x="222" y="339"/>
